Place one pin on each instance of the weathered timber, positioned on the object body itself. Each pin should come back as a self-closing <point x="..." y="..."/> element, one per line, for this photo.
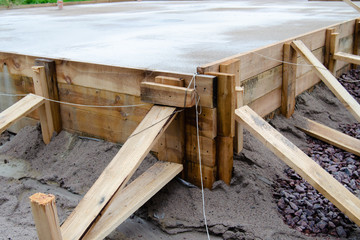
<point x="18" y="110"/>
<point x="45" y="216"/>
<point x="52" y="91"/>
<point x="192" y="174"/>
<point x="289" y="81"/>
<point x="347" y="57"/>
<point x="331" y="82"/>
<point x="225" y="158"/>
<point x="334" y="46"/>
<point x="118" y="172"/>
<point x="167" y="95"/>
<point x="170" y="81"/>
<point x="207" y="147"/>
<point x="329" y="135"/>
<point x="301" y="163"/>
<point x="132" y="197"/>
<point x="207" y="120"/>
<point x="238" y="139"/>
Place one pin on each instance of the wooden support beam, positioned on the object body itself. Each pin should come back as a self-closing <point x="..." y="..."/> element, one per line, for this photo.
<point x="347" y="57"/>
<point x="18" y="110"/>
<point x="334" y="40"/>
<point x="207" y="147"/>
<point x="327" y="57"/>
<point x="356" y="44"/>
<point x="330" y="81"/>
<point x="207" y="122"/>
<point x="313" y="173"/>
<point x="289" y="81"/>
<point x="52" y="90"/>
<point x="45" y="216"/>
<point x="192" y="174"/>
<point x="170" y="81"/>
<point x="225" y="104"/>
<point x="167" y="95"/>
<point x="232" y="66"/>
<point x="119" y="171"/>
<point x="131" y="198"/>
<point x="329" y="135"/>
<point x="238" y="139"/>
<point x="45" y="113"/>
<point x="225" y="158"/>
<point x="356" y="7"/>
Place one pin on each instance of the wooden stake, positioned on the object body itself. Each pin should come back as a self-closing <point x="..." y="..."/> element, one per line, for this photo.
<point x="225" y="104"/>
<point x="289" y="81"/>
<point x="45" y="216"/>
<point x="126" y="202"/>
<point x="225" y="158"/>
<point x="41" y="89"/>
<point x="238" y="139"/>
<point x="18" y="110"/>
<point x="330" y="135"/>
<point x="333" y="51"/>
<point x="328" y="56"/>
<point x="331" y="82"/>
<point x="312" y="172"/>
<point x="119" y="171"/>
<point x="52" y="90"/>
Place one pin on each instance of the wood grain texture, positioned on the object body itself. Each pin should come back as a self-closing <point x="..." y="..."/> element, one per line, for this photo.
<point x="225" y="158"/>
<point x="19" y="110"/>
<point x="131" y="198"/>
<point x="239" y="135"/>
<point x="118" y="172"/>
<point x="288" y="90"/>
<point x="347" y="57"/>
<point x="167" y="95"/>
<point x="45" y="216"/>
<point x="207" y="147"/>
<point x="330" y="135"/>
<point x="192" y="174"/>
<point x="330" y="81"/>
<point x="207" y="122"/>
<point x="321" y="180"/>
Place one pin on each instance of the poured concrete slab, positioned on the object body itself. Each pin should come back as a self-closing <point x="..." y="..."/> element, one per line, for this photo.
<point x="162" y="35"/>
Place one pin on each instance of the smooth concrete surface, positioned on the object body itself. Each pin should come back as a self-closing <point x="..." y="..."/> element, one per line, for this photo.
<point x="163" y="35"/>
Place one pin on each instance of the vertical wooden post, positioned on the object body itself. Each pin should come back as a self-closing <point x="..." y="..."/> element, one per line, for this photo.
<point x="327" y="58"/>
<point x="356" y="40"/>
<point x="238" y="140"/>
<point x="53" y="92"/>
<point x="289" y="81"/>
<point x="225" y="124"/>
<point x="333" y="49"/>
<point x="45" y="216"/>
<point x="40" y="86"/>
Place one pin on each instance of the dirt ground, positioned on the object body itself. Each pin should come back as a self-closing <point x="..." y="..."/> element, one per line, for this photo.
<point x="70" y="164"/>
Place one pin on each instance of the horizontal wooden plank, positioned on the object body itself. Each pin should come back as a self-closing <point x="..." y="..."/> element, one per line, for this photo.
<point x="267" y="103"/>
<point x="313" y="173"/>
<point x="329" y="135"/>
<point x="19" y="110"/>
<point x="347" y="57"/>
<point x="132" y="197"/>
<point x="331" y="82"/>
<point x="262" y="84"/>
<point x="118" y="172"/>
<point x="167" y="95"/>
<point x="170" y="81"/>
<point x="305" y="82"/>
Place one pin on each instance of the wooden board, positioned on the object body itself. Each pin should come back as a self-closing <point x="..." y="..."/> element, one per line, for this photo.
<point x="331" y="82"/>
<point x="192" y="174"/>
<point x="207" y="122"/>
<point x="131" y="198"/>
<point x="288" y="90"/>
<point x="225" y="158"/>
<point x="347" y="57"/>
<point x="170" y="81"/>
<point x="45" y="216"/>
<point x="118" y="172"/>
<point x="167" y="95"/>
<point x="19" y="110"/>
<point x="348" y="203"/>
<point x="267" y="103"/>
<point x="330" y="135"/>
<point x="207" y="147"/>
<point x="225" y="104"/>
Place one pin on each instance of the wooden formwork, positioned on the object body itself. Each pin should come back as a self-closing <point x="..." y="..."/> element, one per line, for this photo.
<point x="266" y="80"/>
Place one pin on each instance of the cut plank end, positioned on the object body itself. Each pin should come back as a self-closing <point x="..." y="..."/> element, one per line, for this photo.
<point x="42" y="198"/>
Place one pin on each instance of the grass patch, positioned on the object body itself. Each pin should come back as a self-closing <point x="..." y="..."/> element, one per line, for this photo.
<point x="9" y="3"/>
